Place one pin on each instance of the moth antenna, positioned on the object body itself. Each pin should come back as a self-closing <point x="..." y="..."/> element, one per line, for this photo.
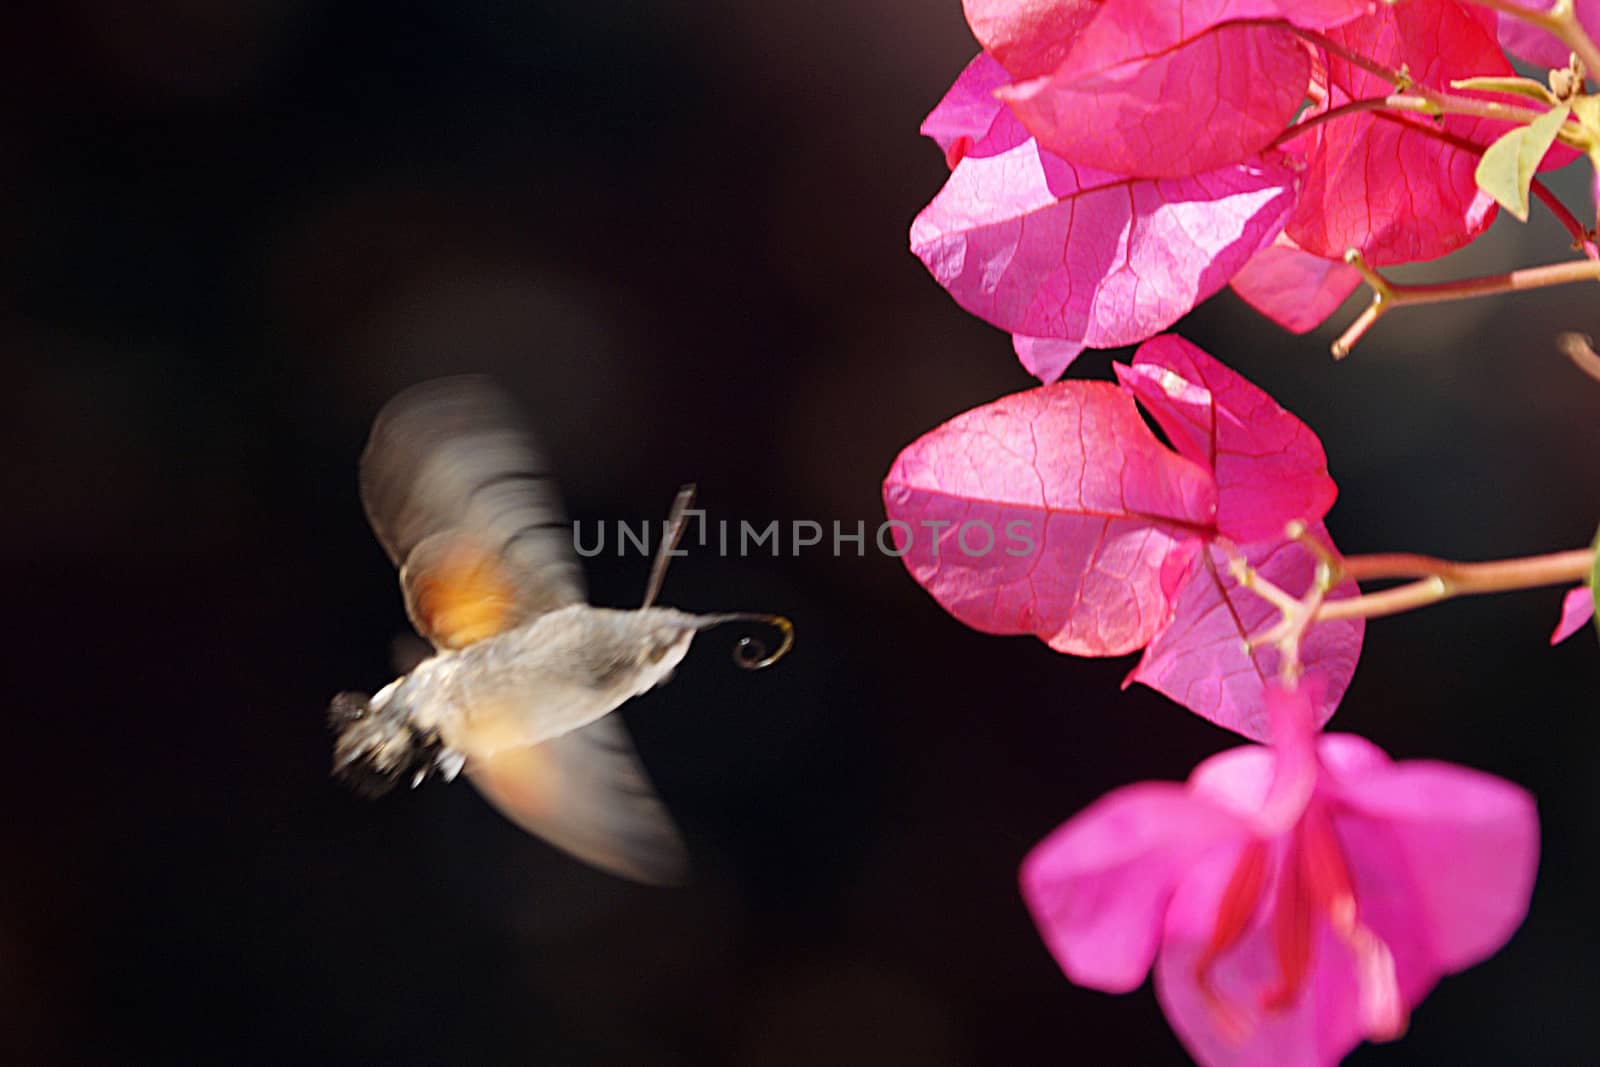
<point x="671" y="535"/>
<point x="750" y="653"/>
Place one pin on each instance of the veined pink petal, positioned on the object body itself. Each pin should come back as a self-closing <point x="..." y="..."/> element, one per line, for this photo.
<point x="1270" y="468"/>
<point x="1028" y="37"/>
<point x="1129" y="27"/>
<point x="1059" y="510"/>
<point x="1169" y="110"/>
<point x="1098" y="887"/>
<point x="1046" y="358"/>
<point x="1392" y="186"/>
<point x="1577" y="608"/>
<point x="970" y="120"/>
<point x="1292" y="287"/>
<point x="1041" y="248"/>
<point x="1453" y="849"/>
<point x="1200" y="660"/>
<point x="1542" y="49"/>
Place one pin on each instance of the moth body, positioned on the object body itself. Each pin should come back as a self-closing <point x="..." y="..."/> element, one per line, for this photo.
<point x="559" y="672"/>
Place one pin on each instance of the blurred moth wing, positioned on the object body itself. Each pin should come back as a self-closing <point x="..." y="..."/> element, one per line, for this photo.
<point x="585" y="792"/>
<point x="464" y="505"/>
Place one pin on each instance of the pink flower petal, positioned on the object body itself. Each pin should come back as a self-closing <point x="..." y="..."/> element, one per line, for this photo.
<point x="1028" y="37"/>
<point x="1537" y="47"/>
<point x="1269" y="466"/>
<point x="970" y="120"/>
<point x="1236" y="779"/>
<point x="1060" y="511"/>
<point x="1041" y="248"/>
<point x="1046" y="358"/>
<point x="1348" y="756"/>
<point x="1136" y="114"/>
<point x="1200" y="660"/>
<point x="1226" y="1026"/>
<point x="1292" y="287"/>
<point x="1390" y="185"/>
<point x="1457" y="848"/>
<point x="1126" y="96"/>
<point x="1098" y="886"/>
<point x="1577" y="608"/>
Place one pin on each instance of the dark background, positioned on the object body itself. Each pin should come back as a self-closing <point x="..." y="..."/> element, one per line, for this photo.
<point x="232" y="230"/>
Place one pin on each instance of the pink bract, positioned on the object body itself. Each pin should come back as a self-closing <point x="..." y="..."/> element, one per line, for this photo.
<point x="1293" y="900"/>
<point x="1046" y="358"/>
<point x="1292" y="287"/>
<point x="1047" y="249"/>
<point x="1136" y="114"/>
<point x="1390" y="185"/>
<point x="1577" y="608"/>
<point x="970" y="120"/>
<point x="1057" y="512"/>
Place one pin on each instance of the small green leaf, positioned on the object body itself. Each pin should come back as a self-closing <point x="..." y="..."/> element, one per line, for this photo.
<point x="1519" y="86"/>
<point x="1587" y="111"/>
<point x="1594" y="579"/>
<point x="1507" y="168"/>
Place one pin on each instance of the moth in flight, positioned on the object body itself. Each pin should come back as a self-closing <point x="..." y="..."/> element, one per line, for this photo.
<point x="525" y="672"/>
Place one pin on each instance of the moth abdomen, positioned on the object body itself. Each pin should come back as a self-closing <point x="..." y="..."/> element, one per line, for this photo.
<point x="375" y="748"/>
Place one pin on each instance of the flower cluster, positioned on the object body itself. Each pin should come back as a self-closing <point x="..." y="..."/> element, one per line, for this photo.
<point x="1113" y="163"/>
<point x="1134" y="541"/>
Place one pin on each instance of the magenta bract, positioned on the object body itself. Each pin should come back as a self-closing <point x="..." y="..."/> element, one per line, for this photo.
<point x="1057" y="512"/>
<point x="1294" y="900"/>
<point x="1577" y="608"/>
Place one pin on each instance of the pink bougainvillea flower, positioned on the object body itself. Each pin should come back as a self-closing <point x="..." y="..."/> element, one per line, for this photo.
<point x="1057" y="512"/>
<point x="1089" y="205"/>
<point x="1577" y="608"/>
<point x="1294" y="900"/>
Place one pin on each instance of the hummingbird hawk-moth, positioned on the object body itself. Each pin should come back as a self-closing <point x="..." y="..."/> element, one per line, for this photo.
<point x="525" y="673"/>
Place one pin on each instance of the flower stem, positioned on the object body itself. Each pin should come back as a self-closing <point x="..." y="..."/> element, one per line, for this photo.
<point x="1421" y="100"/>
<point x="1354" y="107"/>
<point x="1580" y="350"/>
<point x="1442" y="579"/>
<point x="1387" y="295"/>
<point x="1413" y="97"/>
<point x="1582" y="239"/>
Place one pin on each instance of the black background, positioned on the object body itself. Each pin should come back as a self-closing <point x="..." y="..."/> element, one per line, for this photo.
<point x="678" y="232"/>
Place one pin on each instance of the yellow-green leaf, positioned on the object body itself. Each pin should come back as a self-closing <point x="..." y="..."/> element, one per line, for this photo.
<point x="1587" y="111"/>
<point x="1594" y="579"/>
<point x="1507" y="168"/>
<point x="1520" y="86"/>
